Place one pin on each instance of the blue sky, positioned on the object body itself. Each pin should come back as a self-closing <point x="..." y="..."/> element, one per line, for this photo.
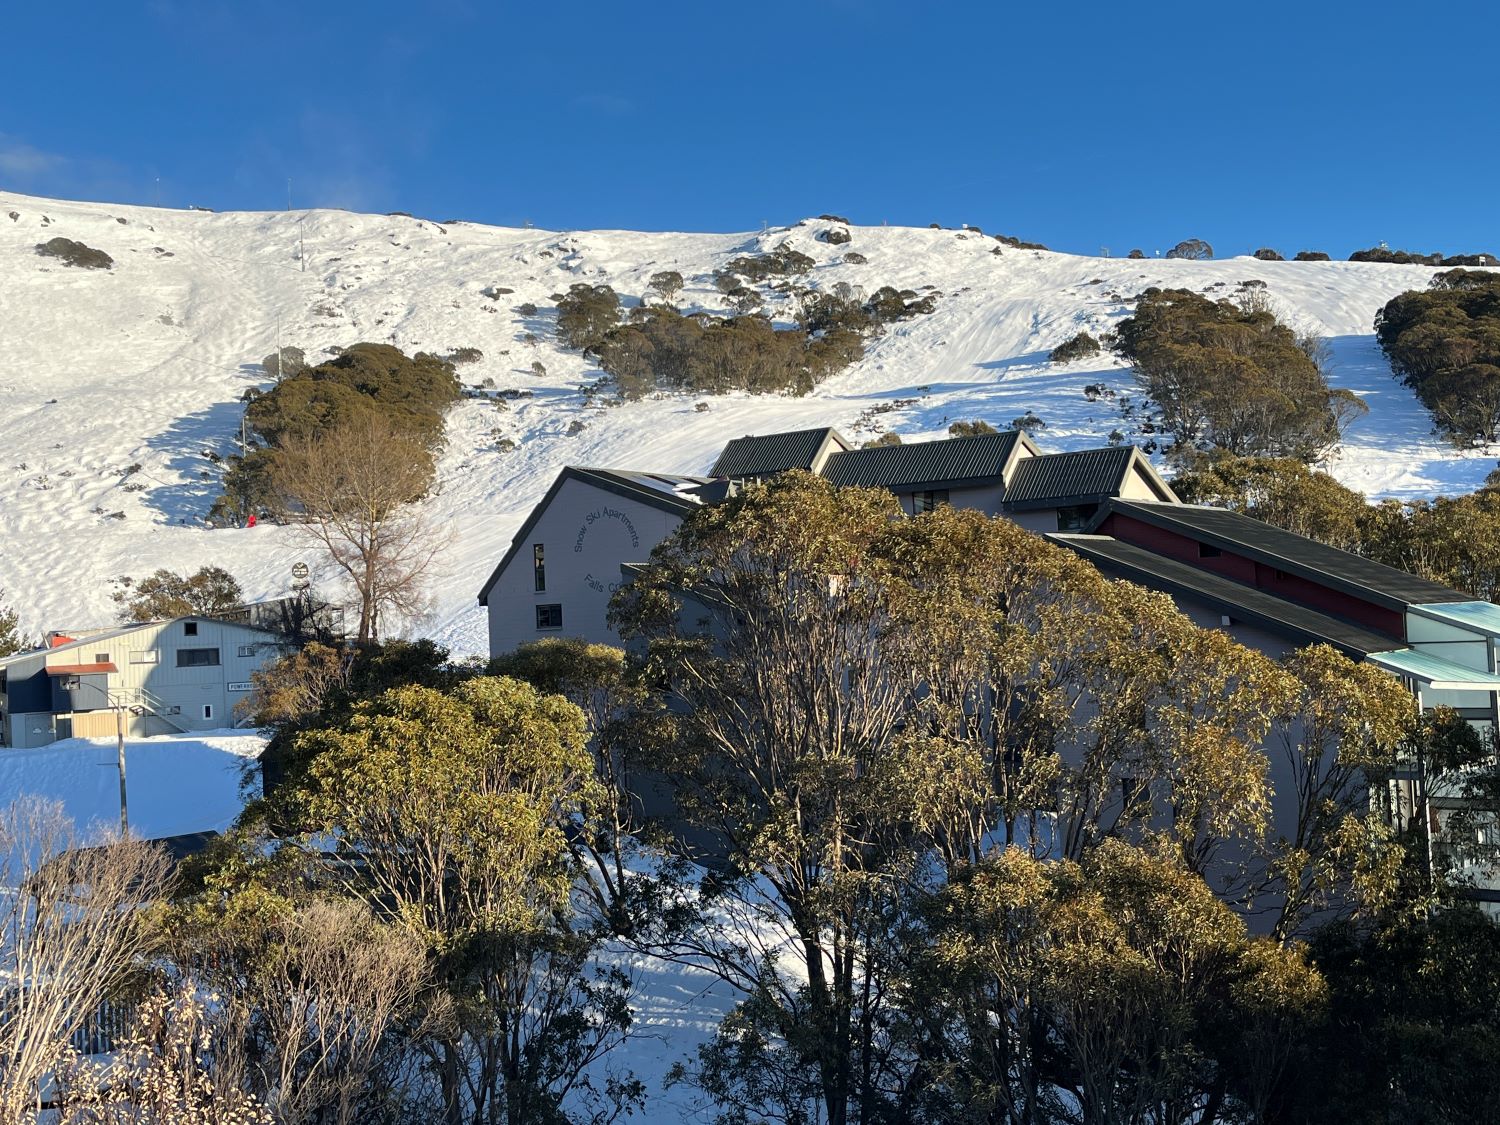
<point x="1323" y="124"/>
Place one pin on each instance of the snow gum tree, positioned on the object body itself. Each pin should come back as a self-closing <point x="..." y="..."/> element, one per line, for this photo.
<point x="865" y="710"/>
<point x="452" y="811"/>
<point x="353" y="492"/>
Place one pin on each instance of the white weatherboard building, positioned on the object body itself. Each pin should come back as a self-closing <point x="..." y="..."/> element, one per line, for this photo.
<point x="163" y="677"/>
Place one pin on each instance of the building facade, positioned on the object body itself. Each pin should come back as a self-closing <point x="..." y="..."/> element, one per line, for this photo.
<point x="567" y="558"/>
<point x="1270" y="589"/>
<point x="160" y="677"/>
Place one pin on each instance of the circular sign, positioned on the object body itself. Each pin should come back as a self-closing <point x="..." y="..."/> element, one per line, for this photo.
<point x="299" y="570"/>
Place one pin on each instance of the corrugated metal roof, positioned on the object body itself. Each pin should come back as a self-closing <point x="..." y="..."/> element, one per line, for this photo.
<point x="1434" y="671"/>
<point x="669" y="484"/>
<point x="753" y="456"/>
<point x="1484" y="616"/>
<point x="1292" y="552"/>
<point x="1063" y="477"/>
<point x="955" y="460"/>
<point x="1254" y="606"/>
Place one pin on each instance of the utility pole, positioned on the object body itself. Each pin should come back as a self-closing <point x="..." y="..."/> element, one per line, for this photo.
<point x="120" y="749"/>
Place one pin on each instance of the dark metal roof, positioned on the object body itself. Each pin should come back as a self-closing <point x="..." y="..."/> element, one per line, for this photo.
<point x="1058" y="479"/>
<point x="662" y="490"/>
<point x="1245" y="603"/>
<point x="753" y="456"/>
<point x="1286" y="550"/>
<point x="954" y="461"/>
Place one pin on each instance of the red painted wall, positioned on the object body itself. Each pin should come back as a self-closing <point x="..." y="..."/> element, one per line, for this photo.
<point x="1292" y="587"/>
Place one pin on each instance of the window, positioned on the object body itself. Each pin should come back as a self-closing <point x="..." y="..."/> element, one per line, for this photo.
<point x="101" y="658"/>
<point x="197" y="657"/>
<point x="208" y="710"/>
<point x="189" y="628"/>
<point x="1073" y="519"/>
<point x="549" y="617"/>
<point x="1207" y="552"/>
<point x="538" y="567"/>
<point x="927" y="501"/>
<point x="145" y="656"/>
<point x="245" y="650"/>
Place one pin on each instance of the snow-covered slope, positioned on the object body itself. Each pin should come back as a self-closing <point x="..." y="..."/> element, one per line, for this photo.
<point x="119" y="388"/>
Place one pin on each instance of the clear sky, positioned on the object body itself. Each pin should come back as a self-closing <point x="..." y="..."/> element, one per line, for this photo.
<point x="1322" y="124"/>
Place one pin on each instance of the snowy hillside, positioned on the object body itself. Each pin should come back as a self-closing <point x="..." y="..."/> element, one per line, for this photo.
<point x="144" y="365"/>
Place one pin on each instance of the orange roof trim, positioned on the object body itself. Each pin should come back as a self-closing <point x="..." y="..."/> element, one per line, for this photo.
<point x="80" y="669"/>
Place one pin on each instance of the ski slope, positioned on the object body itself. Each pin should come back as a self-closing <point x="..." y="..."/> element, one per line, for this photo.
<point x="119" y="389"/>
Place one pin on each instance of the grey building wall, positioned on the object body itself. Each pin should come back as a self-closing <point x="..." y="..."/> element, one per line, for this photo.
<point x="586" y="533"/>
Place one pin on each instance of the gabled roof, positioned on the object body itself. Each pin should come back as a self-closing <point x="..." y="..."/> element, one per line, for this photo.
<point x="1246" y="603"/>
<point x="952" y="462"/>
<point x="1088" y="476"/>
<point x="1286" y="550"/>
<point x="675" y="494"/>
<point x="753" y="456"/>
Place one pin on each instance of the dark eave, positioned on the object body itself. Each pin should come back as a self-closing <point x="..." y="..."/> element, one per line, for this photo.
<point x="1285" y="550"/>
<point x="1244" y="603"/>
<point x="608" y="480"/>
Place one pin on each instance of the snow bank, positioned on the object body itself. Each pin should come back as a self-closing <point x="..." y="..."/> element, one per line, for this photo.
<point x="175" y="784"/>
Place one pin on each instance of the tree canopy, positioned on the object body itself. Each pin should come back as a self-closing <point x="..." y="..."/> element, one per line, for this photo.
<point x="1444" y="343"/>
<point x="871" y="713"/>
<point x="1234" y="378"/>
<point x="208" y="591"/>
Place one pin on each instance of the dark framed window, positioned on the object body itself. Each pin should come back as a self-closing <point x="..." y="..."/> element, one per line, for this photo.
<point x="1207" y="552"/>
<point x="928" y="501"/>
<point x="197" y="657"/>
<point x="538" y="567"/>
<point x="189" y="628"/>
<point x="208" y="710"/>
<point x="101" y="658"/>
<point x="1073" y="519"/>
<point x="549" y="617"/>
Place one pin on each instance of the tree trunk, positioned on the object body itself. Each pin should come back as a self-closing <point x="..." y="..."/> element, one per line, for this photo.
<point x="452" y="1091"/>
